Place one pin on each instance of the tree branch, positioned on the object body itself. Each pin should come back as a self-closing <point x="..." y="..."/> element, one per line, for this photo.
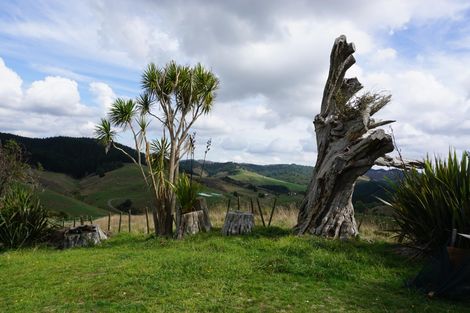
<point x="373" y="124"/>
<point x="389" y="161"/>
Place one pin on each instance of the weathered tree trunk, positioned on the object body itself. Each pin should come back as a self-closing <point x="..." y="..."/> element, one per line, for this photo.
<point x="238" y="223"/>
<point x="348" y="144"/>
<point x="162" y="218"/>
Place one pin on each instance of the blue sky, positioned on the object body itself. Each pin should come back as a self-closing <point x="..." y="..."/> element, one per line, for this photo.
<point x="62" y="63"/>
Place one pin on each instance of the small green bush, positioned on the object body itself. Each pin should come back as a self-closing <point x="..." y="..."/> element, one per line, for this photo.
<point x="23" y="221"/>
<point x="429" y="204"/>
<point x="186" y="192"/>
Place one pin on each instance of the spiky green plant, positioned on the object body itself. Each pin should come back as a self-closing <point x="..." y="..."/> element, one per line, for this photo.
<point x="428" y="205"/>
<point x="186" y="193"/>
<point x="23" y="221"/>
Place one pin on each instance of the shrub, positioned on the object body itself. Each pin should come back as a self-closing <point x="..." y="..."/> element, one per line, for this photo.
<point x="23" y="221"/>
<point x="186" y="192"/>
<point x="125" y="206"/>
<point x="428" y="205"/>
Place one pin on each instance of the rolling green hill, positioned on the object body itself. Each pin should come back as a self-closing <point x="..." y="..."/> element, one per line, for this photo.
<point x="115" y="187"/>
<point x="96" y="196"/>
<point x="260" y="180"/>
<point x="67" y="205"/>
<point x="61" y="193"/>
<point x="83" y="192"/>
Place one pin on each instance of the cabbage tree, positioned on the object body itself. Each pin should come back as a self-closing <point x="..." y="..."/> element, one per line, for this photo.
<point x="174" y="96"/>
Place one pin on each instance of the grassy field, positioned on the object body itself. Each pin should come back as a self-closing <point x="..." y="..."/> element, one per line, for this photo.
<point x="258" y="180"/>
<point x="93" y="195"/>
<point x="69" y="205"/>
<point x="118" y="185"/>
<point x="269" y="271"/>
<point x="58" y="182"/>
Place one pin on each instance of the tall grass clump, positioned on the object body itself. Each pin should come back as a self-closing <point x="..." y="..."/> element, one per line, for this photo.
<point x="429" y="204"/>
<point x="23" y="220"/>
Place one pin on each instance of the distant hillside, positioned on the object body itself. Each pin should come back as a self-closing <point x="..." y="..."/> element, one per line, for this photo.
<point x="77" y="157"/>
<point x="292" y="173"/>
<point x="82" y="191"/>
<point x="381" y="174"/>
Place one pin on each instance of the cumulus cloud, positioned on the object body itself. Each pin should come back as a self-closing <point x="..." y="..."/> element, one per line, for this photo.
<point x="10" y="86"/>
<point x="272" y="60"/>
<point x="47" y="107"/>
<point x="56" y="96"/>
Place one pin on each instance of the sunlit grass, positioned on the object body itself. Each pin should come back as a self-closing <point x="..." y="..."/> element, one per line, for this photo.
<point x="269" y="271"/>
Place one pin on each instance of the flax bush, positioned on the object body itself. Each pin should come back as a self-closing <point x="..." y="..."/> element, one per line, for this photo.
<point x="23" y="220"/>
<point x="429" y="204"/>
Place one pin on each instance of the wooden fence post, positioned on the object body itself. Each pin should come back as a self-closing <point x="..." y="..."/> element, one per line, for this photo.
<point x="238" y="199"/>
<point x="147" y="219"/>
<point x="272" y="212"/>
<point x="74" y="222"/>
<point x="129" y="221"/>
<point x="251" y="204"/>
<point x="109" y="221"/>
<point x="260" y="212"/>
<point x="81" y="220"/>
<point x="228" y="204"/>
<point x="120" y="221"/>
<point x="91" y="219"/>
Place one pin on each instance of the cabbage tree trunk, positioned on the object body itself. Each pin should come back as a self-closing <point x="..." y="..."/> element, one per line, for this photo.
<point x="348" y="144"/>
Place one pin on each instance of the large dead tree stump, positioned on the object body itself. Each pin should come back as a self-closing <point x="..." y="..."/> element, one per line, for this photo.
<point x="238" y="223"/>
<point x="348" y="144"/>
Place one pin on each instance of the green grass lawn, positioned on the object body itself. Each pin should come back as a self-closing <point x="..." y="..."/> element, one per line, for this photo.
<point x="269" y="271"/>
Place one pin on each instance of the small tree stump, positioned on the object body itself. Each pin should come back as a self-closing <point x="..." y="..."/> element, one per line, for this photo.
<point x="80" y="236"/>
<point x="238" y="223"/>
<point x="193" y="223"/>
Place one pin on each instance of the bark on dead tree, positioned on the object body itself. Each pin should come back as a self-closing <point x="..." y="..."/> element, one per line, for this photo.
<point x="348" y="144"/>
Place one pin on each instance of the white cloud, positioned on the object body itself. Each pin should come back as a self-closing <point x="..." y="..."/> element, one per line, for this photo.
<point x="55" y="95"/>
<point x="272" y="59"/>
<point x="10" y="86"/>
<point x="385" y="54"/>
<point x="49" y="107"/>
<point x="431" y="113"/>
<point x="104" y="95"/>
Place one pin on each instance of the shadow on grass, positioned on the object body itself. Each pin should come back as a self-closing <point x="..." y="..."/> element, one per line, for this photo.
<point x="391" y="295"/>
<point x="270" y="232"/>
